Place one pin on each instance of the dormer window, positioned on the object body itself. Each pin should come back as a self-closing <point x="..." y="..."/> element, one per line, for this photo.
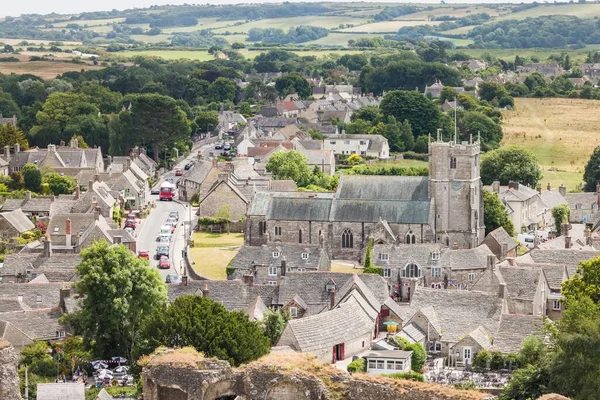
<point x="384" y="257"/>
<point x="38" y="299"/>
<point x="435" y="255"/>
<point x="305" y="256"/>
<point x="276" y="254"/>
<point x="56" y="229"/>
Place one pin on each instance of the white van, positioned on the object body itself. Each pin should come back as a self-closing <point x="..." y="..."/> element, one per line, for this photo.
<point x="164" y="238"/>
<point x="165" y="230"/>
<point x="527" y="239"/>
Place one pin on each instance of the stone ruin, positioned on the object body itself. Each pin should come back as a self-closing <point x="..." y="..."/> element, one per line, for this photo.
<point x="9" y="378"/>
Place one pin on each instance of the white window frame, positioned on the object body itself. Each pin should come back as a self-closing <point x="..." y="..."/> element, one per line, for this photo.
<point x="436" y="271"/>
<point x="305" y="256"/>
<point x="471" y="277"/>
<point x="60" y="334"/>
<point x="435" y="255"/>
<point x="272" y="271"/>
<point x="38" y="298"/>
<point x="294" y="312"/>
<point x="556" y="305"/>
<point x="384" y="257"/>
<point x="276" y="254"/>
<point x="387" y="272"/>
<point x="467" y="351"/>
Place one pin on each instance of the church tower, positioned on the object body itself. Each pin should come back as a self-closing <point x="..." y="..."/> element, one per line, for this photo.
<point x="455" y="186"/>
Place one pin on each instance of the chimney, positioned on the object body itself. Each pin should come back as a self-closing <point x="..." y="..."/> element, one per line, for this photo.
<point x="28" y="195"/>
<point x="108" y="160"/>
<point x="62" y="143"/>
<point x="117" y="239"/>
<point x="47" y="247"/>
<point x="74" y="143"/>
<point x="491" y="262"/>
<point x="454" y="246"/>
<point x="539" y="188"/>
<point x="64" y="293"/>
<point x="565" y="229"/>
<point x="214" y="161"/>
<point x="205" y="291"/>
<point x="199" y="157"/>
<point x="331" y="298"/>
<point x="496" y="187"/>
<point x="126" y="165"/>
<point x="248" y="279"/>
<point x="562" y="190"/>
<point x="77" y="192"/>
<point x="132" y="154"/>
<point x="17" y="148"/>
<point x="321" y="240"/>
<point x="513" y="185"/>
<point x="97" y="212"/>
<point x="568" y="242"/>
<point x="511" y="261"/>
<point x="501" y="290"/>
<point x="549" y="187"/>
<point x="68" y="226"/>
<point x="90" y="186"/>
<point x="52" y="147"/>
<point x="184" y="280"/>
<point x="7" y="153"/>
<point x="504" y="251"/>
<point x="283" y="266"/>
<point x="97" y="178"/>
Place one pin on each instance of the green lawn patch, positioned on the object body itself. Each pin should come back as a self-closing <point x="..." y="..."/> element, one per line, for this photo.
<point x="212" y="252"/>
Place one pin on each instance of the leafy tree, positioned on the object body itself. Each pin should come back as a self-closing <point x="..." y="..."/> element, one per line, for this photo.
<point x="290" y="165"/>
<point x="419" y="357"/>
<point x="421" y="144"/>
<point x="221" y="90"/>
<point x="353" y="159"/>
<point x="368" y="254"/>
<point x="510" y="163"/>
<point x="273" y="325"/>
<point x="532" y="350"/>
<point x="358" y="127"/>
<point x="293" y="83"/>
<point x="584" y="284"/>
<point x="591" y="175"/>
<point x="59" y="184"/>
<point x="9" y="135"/>
<point x="117" y="291"/>
<point x="407" y="136"/>
<point x="315" y="134"/>
<point x="422" y="114"/>
<point x="491" y="90"/>
<point x="208" y="327"/>
<point x="535" y="81"/>
<point x="153" y="119"/>
<point x="371" y="114"/>
<point x="32" y="178"/>
<point x="8" y="106"/>
<point x="529" y="382"/>
<point x="561" y="214"/>
<point x="474" y="123"/>
<point x="494" y="214"/>
<point x="207" y="120"/>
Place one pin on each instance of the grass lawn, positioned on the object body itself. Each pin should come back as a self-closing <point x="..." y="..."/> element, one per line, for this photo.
<point x="212" y="252"/>
<point x="562" y="133"/>
<point x="346" y="268"/>
<point x="152" y="39"/>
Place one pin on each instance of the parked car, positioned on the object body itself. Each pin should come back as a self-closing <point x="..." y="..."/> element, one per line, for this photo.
<point x="174" y="214"/>
<point x="155" y="191"/>
<point x="218" y="145"/>
<point x="162" y="250"/>
<point x="164" y="263"/>
<point x="165" y="229"/>
<point x="173" y="279"/>
<point x="164" y="238"/>
<point x="129" y="230"/>
<point x="189" y="165"/>
<point x="130" y="223"/>
<point x="144" y="254"/>
<point x="178" y="172"/>
<point x="227" y="146"/>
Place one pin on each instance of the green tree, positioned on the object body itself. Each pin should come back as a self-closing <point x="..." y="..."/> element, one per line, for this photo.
<point x="32" y="178"/>
<point x="422" y="114"/>
<point x="591" y="174"/>
<point x="273" y="324"/>
<point x="532" y="350"/>
<point x="491" y="90"/>
<point x="117" y="291"/>
<point x="475" y="123"/>
<point x="529" y="382"/>
<point x="9" y="135"/>
<point x="207" y="120"/>
<point x="561" y="214"/>
<point x="59" y="184"/>
<point x="584" y="284"/>
<point x="510" y="163"/>
<point x="419" y="357"/>
<point x="371" y="114"/>
<point x="208" y="327"/>
<point x="222" y="89"/>
<point x="494" y="214"/>
<point x="293" y="83"/>
<point x="290" y="165"/>
<point x="368" y="254"/>
<point x="407" y="136"/>
<point x="153" y="119"/>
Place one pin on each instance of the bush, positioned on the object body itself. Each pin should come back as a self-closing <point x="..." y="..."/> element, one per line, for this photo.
<point x="481" y="360"/>
<point x="496" y="360"/>
<point x="419" y="357"/>
<point x="411" y="155"/>
<point x="358" y="365"/>
<point x="400" y="342"/>
<point x="412" y="376"/>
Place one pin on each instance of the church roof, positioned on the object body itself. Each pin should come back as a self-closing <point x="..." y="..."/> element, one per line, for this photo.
<point x="395" y="188"/>
<point x="405" y="212"/>
<point x="299" y="209"/>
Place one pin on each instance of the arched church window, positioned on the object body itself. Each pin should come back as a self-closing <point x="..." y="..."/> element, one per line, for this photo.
<point x="411" y="271"/>
<point x="410" y="237"/>
<point x="347" y="239"/>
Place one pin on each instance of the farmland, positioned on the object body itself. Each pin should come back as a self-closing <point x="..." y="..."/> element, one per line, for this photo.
<point x="562" y="133"/>
<point x="388" y="26"/>
<point x="328" y="22"/>
<point x="576" y="10"/>
<point x="43" y="69"/>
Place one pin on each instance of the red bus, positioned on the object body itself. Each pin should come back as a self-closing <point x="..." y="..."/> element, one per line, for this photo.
<point x="167" y="190"/>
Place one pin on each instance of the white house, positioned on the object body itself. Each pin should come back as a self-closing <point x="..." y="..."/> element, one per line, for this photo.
<point x="388" y="361"/>
<point x="363" y="145"/>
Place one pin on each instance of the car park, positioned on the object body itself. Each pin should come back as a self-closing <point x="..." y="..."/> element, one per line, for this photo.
<point x="164" y="263"/>
<point x="162" y="250"/>
<point x="144" y="254"/>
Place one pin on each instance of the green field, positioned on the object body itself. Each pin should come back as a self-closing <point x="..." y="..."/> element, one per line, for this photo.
<point x="454" y="11"/>
<point x="578" y="55"/>
<point x="457" y="42"/>
<point x="234" y="38"/>
<point x="206" y="23"/>
<point x="286" y="23"/>
<point x="577" y="10"/>
<point x="212" y="253"/>
<point x="463" y="30"/>
<point x="562" y="133"/>
<point x="151" y="39"/>
<point x="340" y="38"/>
<point x="89" y="22"/>
<point x="198" y="55"/>
<point x="388" y="26"/>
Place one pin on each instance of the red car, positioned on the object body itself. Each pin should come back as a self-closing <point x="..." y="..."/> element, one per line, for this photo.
<point x="178" y="172"/>
<point x="164" y="263"/>
<point x="144" y="254"/>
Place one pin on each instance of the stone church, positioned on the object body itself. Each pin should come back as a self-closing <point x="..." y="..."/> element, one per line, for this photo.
<point x="446" y="207"/>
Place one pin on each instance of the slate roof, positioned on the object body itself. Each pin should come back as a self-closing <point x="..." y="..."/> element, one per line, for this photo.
<point x="552" y="198"/>
<point x="421" y="254"/>
<point x="586" y="199"/>
<point x="466" y="258"/>
<point x="458" y="312"/>
<point x="402" y="212"/>
<point x="395" y="188"/>
<point x="198" y="172"/>
<point x="501" y="236"/>
<point x="39" y="204"/>
<point x="299" y="209"/>
<point x="80" y="222"/>
<point x="318" y="157"/>
<point x="49" y="294"/>
<point x="286" y="185"/>
<point x="61" y="391"/>
<point x="37" y="324"/>
<point x="481" y="337"/>
<point x="257" y="309"/>
<point x="571" y="258"/>
<point x="513" y="329"/>
<point x="311" y="144"/>
<point x="412" y="333"/>
<point x="292" y="253"/>
<point x="18" y="220"/>
<point x="322" y="331"/>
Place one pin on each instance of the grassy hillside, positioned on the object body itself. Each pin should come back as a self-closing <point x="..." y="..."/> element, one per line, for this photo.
<point x="575" y="9"/>
<point x="562" y="133"/>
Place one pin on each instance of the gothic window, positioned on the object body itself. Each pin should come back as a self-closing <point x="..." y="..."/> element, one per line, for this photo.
<point x="410" y="237"/>
<point x="299" y="235"/>
<point x="262" y="227"/>
<point x="411" y="271"/>
<point x="277" y="231"/>
<point x="347" y="239"/>
<point x="453" y="162"/>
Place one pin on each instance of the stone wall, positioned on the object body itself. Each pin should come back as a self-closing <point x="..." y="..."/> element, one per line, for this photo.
<point x="171" y="375"/>
<point x="9" y="379"/>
